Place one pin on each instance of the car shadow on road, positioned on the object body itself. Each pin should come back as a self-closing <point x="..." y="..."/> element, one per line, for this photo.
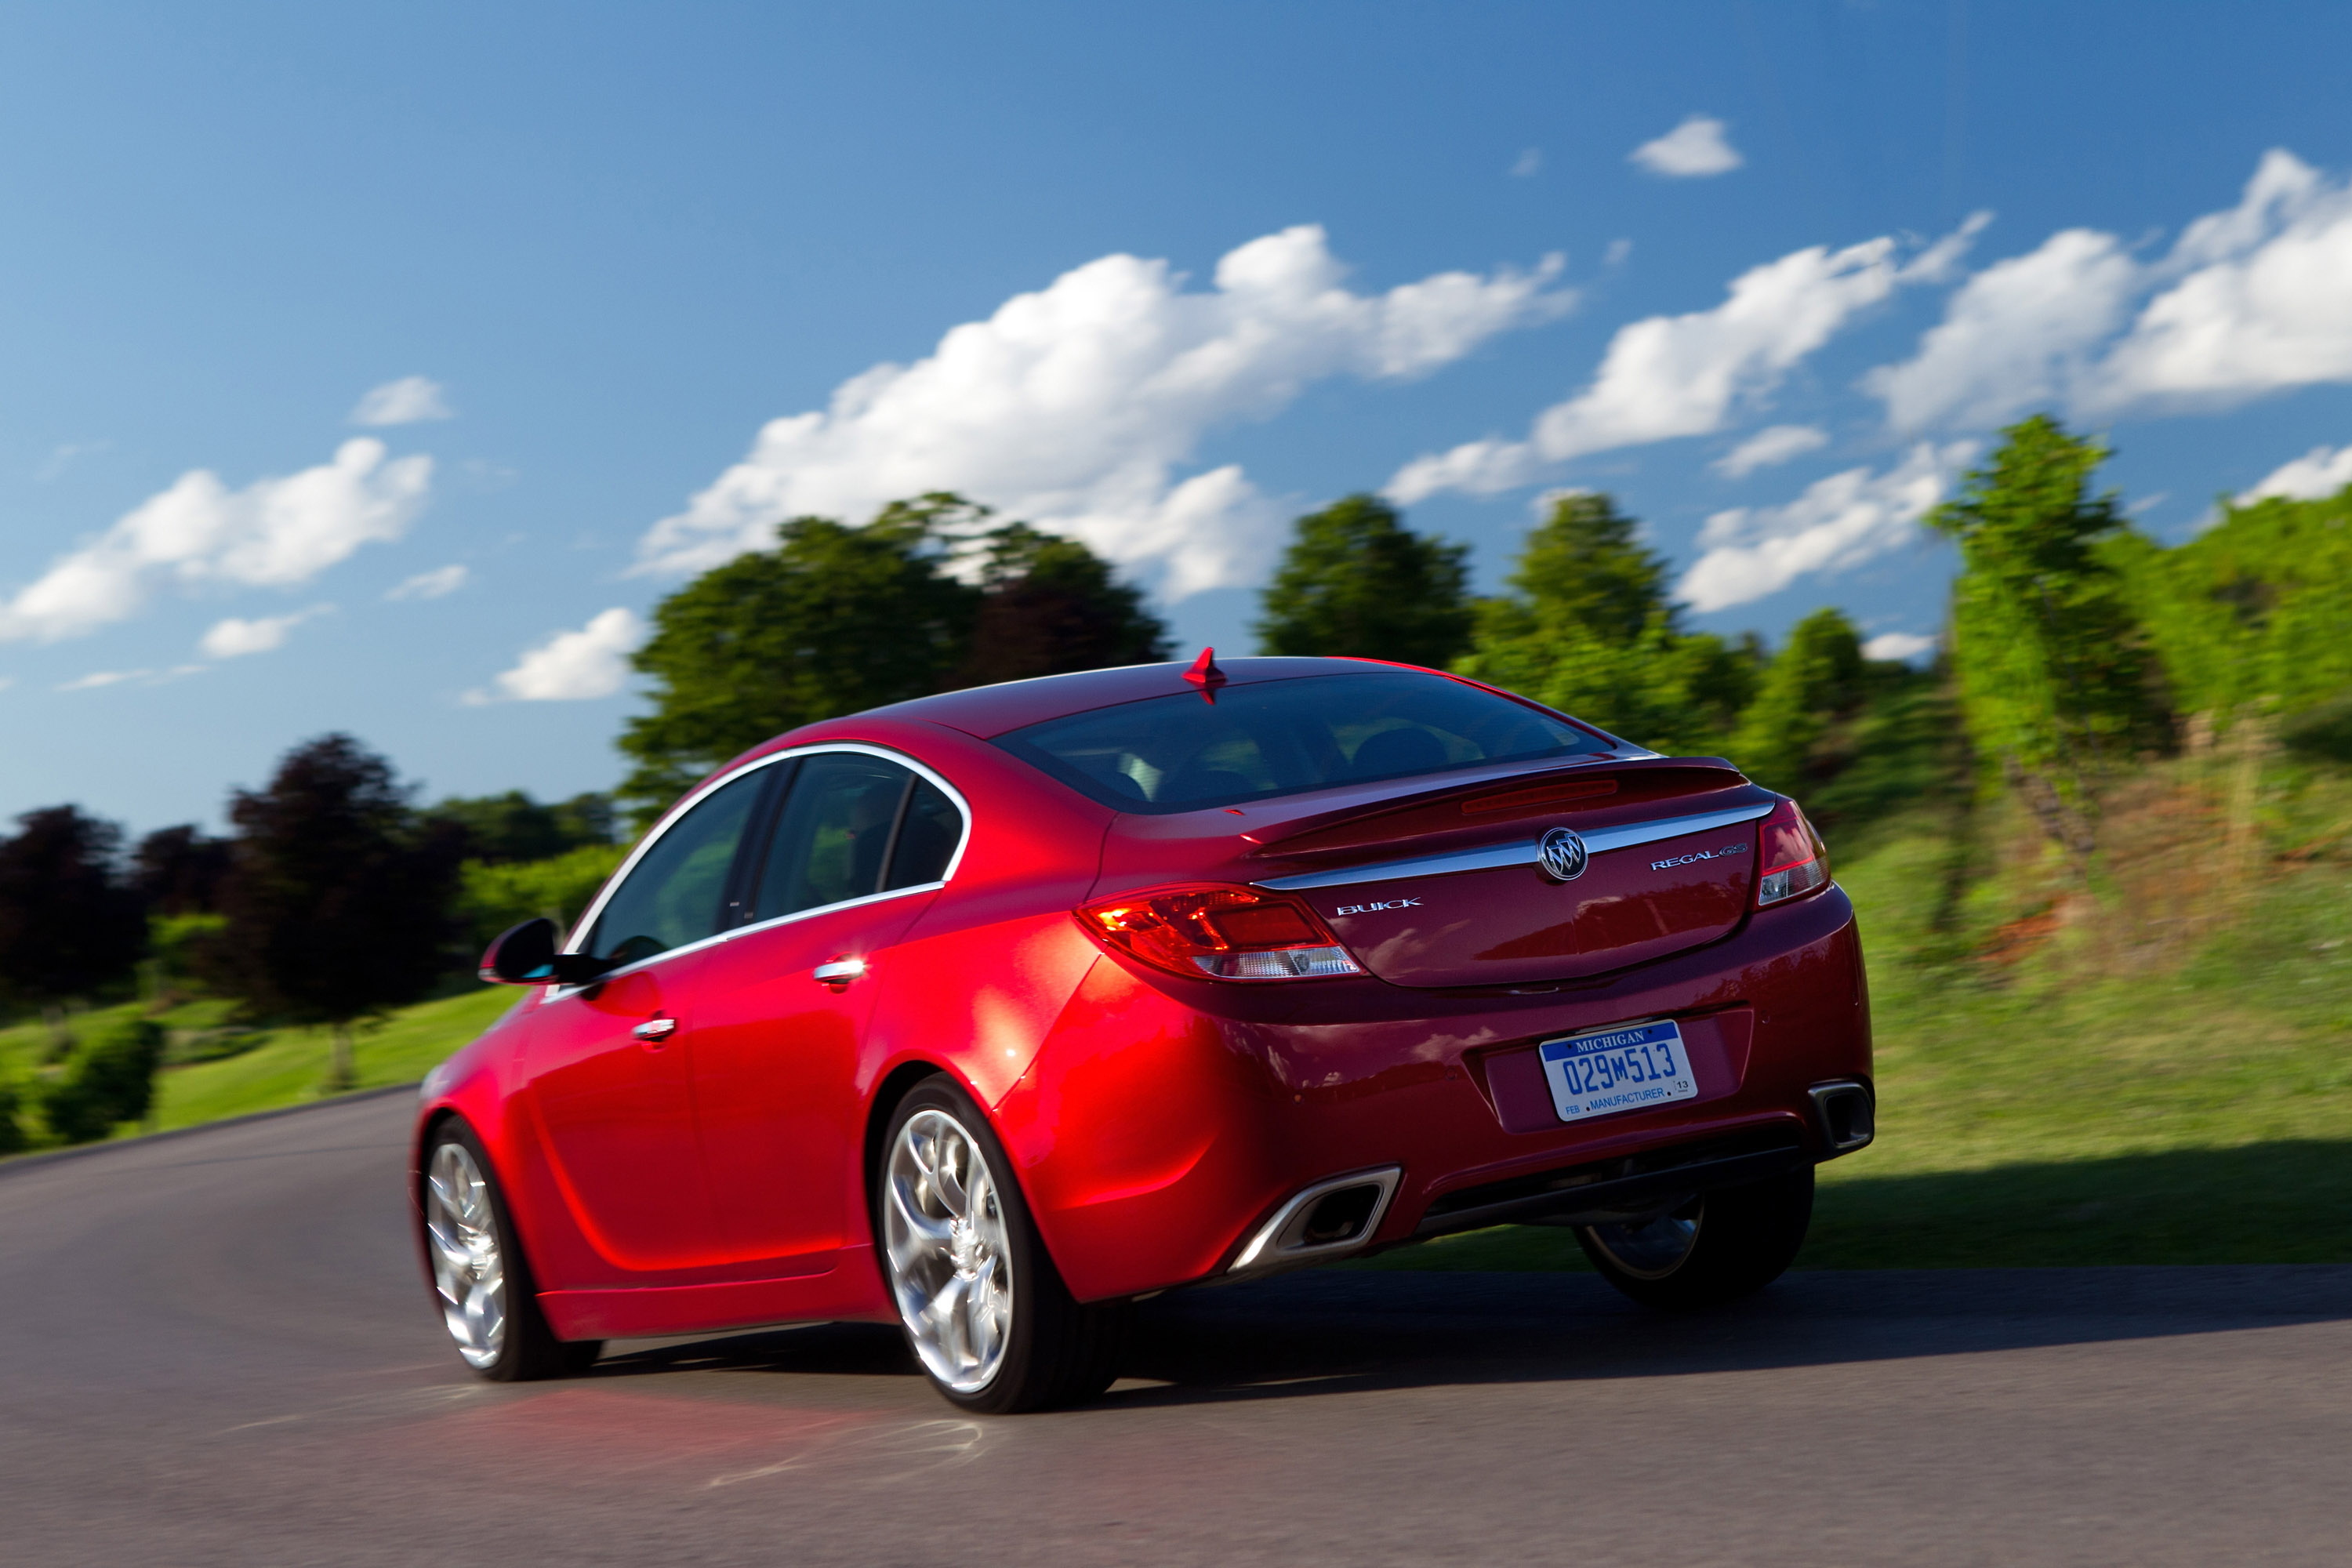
<point x="1325" y="1332"/>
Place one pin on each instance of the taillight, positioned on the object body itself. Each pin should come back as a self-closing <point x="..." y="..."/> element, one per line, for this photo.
<point x="1794" y="859"/>
<point x="1228" y="933"/>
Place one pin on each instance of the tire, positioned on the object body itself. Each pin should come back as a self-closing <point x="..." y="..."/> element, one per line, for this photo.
<point x="1716" y="1247"/>
<point x="481" y="1283"/>
<point x="985" y="1312"/>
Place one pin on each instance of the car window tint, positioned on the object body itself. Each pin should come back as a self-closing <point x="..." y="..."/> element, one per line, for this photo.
<point x="1279" y="737"/>
<point x="928" y="836"/>
<point x="831" y="835"/>
<point x="671" y="896"/>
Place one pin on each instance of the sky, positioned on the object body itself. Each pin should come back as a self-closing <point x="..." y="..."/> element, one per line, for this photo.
<point x="380" y="371"/>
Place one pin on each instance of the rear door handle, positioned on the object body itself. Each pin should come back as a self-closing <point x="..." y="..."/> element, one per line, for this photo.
<point x="654" y="1031"/>
<point x="838" y="972"/>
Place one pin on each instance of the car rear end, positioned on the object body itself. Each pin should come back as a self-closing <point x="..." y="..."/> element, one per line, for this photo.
<point x="1488" y="965"/>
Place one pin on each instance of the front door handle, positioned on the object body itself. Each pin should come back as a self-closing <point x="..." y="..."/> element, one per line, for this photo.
<point x="654" y="1031"/>
<point x="839" y="972"/>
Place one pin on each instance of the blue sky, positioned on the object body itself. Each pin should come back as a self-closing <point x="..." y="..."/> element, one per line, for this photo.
<point x="1163" y="277"/>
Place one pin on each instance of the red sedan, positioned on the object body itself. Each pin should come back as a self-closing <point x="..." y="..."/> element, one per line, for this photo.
<point x="991" y="1012"/>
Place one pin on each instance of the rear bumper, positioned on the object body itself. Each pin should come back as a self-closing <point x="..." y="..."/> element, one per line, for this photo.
<point x="1165" y="1126"/>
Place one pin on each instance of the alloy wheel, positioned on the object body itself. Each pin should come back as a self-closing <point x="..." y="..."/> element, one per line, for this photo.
<point x="944" y="1235"/>
<point x="468" y="1273"/>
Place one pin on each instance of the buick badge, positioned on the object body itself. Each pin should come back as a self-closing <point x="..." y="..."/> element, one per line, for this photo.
<point x="1561" y="854"/>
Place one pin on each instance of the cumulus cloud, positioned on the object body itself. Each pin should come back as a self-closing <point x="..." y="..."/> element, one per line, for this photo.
<point x="199" y="533"/>
<point x="573" y="667"/>
<point x="1684" y="376"/>
<point x="2319" y="473"/>
<point x="2249" y="301"/>
<point x="1076" y="405"/>
<point x="1898" y="646"/>
<point x="1836" y="524"/>
<point x="431" y="584"/>
<point x="1692" y="150"/>
<point x="232" y="637"/>
<point x="408" y="401"/>
<point x="2019" y="332"/>
<point x="1769" y="446"/>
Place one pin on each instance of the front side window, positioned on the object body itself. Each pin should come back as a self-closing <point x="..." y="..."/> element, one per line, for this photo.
<point x="672" y="896"/>
<point x="1281" y="737"/>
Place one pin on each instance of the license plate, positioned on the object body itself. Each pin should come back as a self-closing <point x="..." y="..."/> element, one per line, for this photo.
<point x="1617" y="1069"/>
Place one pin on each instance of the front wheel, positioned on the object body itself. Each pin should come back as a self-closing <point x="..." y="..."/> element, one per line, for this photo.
<point x="1715" y="1247"/>
<point x="984" y="1310"/>
<point x="480" y="1279"/>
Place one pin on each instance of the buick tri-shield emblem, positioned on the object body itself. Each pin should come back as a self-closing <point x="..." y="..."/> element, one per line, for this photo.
<point x="1561" y="854"/>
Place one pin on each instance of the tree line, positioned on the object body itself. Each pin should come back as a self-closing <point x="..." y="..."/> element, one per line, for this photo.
<point x="2074" y="646"/>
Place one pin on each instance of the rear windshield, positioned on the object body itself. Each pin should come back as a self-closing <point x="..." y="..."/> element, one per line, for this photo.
<point x="1279" y="737"/>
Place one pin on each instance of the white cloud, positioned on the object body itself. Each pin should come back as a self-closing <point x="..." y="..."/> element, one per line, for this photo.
<point x="117" y="677"/>
<point x="1683" y="375"/>
<point x="232" y="637"/>
<point x="571" y="666"/>
<point x="2016" y="334"/>
<point x="431" y="584"/>
<point x="1530" y="163"/>
<point x="1898" y="646"/>
<point x="1836" y="524"/>
<point x="407" y="401"/>
<point x="1692" y="150"/>
<point x="2319" y="473"/>
<point x="199" y="533"/>
<point x="1769" y="446"/>
<point x="1074" y="406"/>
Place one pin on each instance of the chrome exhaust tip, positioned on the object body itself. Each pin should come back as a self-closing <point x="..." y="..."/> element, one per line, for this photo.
<point x="1846" y="1112"/>
<point x="1332" y="1216"/>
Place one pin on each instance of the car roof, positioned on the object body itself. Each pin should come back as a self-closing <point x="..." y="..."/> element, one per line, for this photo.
<point x="988" y="712"/>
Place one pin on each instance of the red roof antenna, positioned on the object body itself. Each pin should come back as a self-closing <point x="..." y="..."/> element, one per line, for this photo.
<point x="1205" y="675"/>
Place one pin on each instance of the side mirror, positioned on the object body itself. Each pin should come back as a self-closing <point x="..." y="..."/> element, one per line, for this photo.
<point x="522" y="955"/>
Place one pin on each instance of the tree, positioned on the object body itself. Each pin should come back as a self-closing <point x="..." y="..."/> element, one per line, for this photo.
<point x="110" y="1079"/>
<point x="70" y="924"/>
<point x="1357" y="580"/>
<point x="338" y="896"/>
<point x="1588" y="628"/>
<point x="1049" y="605"/>
<point x="501" y="828"/>
<point x="179" y="870"/>
<point x="1818" y="679"/>
<point x="833" y="620"/>
<point x="2055" y="677"/>
<point x="931" y="595"/>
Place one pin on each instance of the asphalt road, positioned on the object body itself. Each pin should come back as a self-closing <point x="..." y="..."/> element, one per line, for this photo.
<point x="218" y="1351"/>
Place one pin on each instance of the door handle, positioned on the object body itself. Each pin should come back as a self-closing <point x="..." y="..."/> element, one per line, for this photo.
<point x="839" y="972"/>
<point x="654" y="1031"/>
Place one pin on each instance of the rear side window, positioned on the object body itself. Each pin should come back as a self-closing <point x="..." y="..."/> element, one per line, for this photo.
<point x="928" y="836"/>
<point x="1280" y="737"/>
<point x="671" y="896"/>
<point x="831" y="839"/>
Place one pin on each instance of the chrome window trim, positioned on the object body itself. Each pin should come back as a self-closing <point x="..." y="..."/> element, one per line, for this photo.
<point x="1597" y="841"/>
<point x="587" y="921"/>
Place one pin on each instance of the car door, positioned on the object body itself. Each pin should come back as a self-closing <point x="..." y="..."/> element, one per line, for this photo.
<point x="610" y="1081"/>
<point x="860" y="846"/>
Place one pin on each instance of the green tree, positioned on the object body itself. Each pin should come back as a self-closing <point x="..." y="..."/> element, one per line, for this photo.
<point x="833" y="620"/>
<point x="1357" y="580"/>
<point x="2054" y="676"/>
<point x="338" y="895"/>
<point x="1049" y="605"/>
<point x="1587" y="628"/>
<point x="1817" y="680"/>
<point x="110" y="1079"/>
<point x="513" y="826"/>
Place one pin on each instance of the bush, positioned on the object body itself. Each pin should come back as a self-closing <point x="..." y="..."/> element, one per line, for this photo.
<point x="109" y="1078"/>
<point x="12" y="1132"/>
<point x="2323" y="731"/>
<point x="491" y="897"/>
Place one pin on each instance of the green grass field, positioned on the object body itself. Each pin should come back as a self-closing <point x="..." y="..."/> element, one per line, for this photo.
<point x="2154" y="1069"/>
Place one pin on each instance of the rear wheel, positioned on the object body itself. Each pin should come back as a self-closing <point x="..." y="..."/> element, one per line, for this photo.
<point x="984" y="1310"/>
<point x="480" y="1279"/>
<point x="1715" y="1247"/>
